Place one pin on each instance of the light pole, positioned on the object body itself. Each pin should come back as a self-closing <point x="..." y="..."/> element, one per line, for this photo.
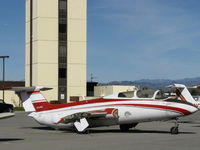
<point x="3" y="57"/>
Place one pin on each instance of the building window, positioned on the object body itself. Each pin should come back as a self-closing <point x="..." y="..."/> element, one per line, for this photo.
<point x="62" y="72"/>
<point x="62" y="37"/>
<point x="62" y="60"/>
<point x="62" y="94"/>
<point x="62" y="5"/>
<point x="74" y="98"/>
<point x="62" y="51"/>
<point x="62" y="28"/>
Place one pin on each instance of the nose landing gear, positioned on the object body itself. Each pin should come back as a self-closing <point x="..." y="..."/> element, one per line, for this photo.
<point x="174" y="130"/>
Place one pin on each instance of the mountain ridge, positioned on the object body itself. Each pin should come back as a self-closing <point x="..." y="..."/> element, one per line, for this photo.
<point x="156" y="83"/>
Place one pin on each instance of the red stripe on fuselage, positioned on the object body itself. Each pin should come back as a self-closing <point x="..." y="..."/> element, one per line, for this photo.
<point x="99" y="100"/>
<point x="107" y="111"/>
<point x="86" y="102"/>
<point x="48" y="106"/>
<point x="43" y="106"/>
<point x="179" y="110"/>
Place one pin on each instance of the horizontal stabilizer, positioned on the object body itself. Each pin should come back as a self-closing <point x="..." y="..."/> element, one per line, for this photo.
<point x="6" y="115"/>
<point x="28" y="89"/>
<point x="31" y="97"/>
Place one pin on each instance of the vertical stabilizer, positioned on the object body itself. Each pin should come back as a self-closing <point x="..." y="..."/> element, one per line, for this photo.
<point x="184" y="94"/>
<point x="32" y="98"/>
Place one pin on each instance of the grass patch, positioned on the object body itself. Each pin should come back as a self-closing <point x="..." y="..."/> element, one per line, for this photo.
<point x="18" y="109"/>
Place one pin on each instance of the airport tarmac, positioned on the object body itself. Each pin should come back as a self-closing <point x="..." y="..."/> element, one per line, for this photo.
<point x="23" y="133"/>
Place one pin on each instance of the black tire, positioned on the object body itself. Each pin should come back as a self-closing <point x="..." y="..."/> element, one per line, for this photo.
<point x="84" y="132"/>
<point x="134" y="125"/>
<point x="9" y="110"/>
<point x="174" y="130"/>
<point x="124" y="127"/>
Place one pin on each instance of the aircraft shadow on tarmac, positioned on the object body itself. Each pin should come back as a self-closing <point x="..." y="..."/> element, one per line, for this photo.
<point x="197" y="126"/>
<point x="136" y="131"/>
<point x="10" y="139"/>
<point x="99" y="131"/>
<point x="42" y="128"/>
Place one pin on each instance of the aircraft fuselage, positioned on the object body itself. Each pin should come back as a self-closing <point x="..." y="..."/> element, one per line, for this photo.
<point x="129" y="111"/>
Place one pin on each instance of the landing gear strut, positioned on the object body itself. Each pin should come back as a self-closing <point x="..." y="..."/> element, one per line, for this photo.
<point x="174" y="130"/>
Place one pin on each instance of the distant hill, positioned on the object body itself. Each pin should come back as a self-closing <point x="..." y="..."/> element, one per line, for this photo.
<point x="156" y="83"/>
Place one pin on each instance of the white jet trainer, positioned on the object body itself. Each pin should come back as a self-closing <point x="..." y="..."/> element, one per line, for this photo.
<point x="106" y="111"/>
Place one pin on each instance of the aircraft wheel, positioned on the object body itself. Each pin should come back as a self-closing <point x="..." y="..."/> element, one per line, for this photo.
<point x="9" y="110"/>
<point x="134" y="125"/>
<point x="124" y="127"/>
<point x="174" y="130"/>
<point x="85" y="132"/>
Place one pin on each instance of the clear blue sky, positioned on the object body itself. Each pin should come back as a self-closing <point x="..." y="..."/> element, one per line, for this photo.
<point x="127" y="39"/>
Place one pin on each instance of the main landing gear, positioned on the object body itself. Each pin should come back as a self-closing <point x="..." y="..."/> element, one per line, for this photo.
<point x="126" y="127"/>
<point x="174" y="130"/>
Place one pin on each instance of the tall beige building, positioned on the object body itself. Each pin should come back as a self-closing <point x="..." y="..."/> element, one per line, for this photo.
<point x="56" y="47"/>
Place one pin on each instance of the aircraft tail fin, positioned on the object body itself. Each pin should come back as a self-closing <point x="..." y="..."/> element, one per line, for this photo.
<point x="32" y="98"/>
<point x="183" y="93"/>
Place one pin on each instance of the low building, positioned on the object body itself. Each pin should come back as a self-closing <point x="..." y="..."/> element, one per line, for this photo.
<point x="9" y="96"/>
<point x="90" y="88"/>
<point x="94" y="91"/>
<point x="100" y="91"/>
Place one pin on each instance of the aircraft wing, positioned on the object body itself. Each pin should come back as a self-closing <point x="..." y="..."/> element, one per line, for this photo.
<point x="6" y="115"/>
<point x="80" y="119"/>
<point x="107" y="113"/>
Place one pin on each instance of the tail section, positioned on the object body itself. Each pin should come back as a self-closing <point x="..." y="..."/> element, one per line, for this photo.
<point x="32" y="98"/>
<point x="184" y="94"/>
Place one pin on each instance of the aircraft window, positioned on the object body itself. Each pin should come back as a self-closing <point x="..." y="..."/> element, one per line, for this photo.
<point x="121" y="95"/>
<point x="128" y="94"/>
<point x="161" y="95"/>
<point x="144" y="94"/>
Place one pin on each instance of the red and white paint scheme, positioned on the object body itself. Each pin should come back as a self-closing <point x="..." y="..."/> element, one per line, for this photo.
<point x="105" y="111"/>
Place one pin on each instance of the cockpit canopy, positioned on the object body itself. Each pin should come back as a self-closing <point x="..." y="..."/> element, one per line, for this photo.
<point x="153" y="94"/>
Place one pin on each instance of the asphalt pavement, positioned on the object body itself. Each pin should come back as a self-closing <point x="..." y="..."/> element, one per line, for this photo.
<point x="23" y="133"/>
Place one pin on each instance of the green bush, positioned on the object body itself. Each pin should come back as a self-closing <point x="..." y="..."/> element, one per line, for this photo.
<point x="18" y="109"/>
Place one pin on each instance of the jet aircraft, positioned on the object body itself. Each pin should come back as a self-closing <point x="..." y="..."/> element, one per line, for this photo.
<point x="106" y="111"/>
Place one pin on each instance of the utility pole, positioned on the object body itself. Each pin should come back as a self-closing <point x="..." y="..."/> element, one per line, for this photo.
<point x="3" y="57"/>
